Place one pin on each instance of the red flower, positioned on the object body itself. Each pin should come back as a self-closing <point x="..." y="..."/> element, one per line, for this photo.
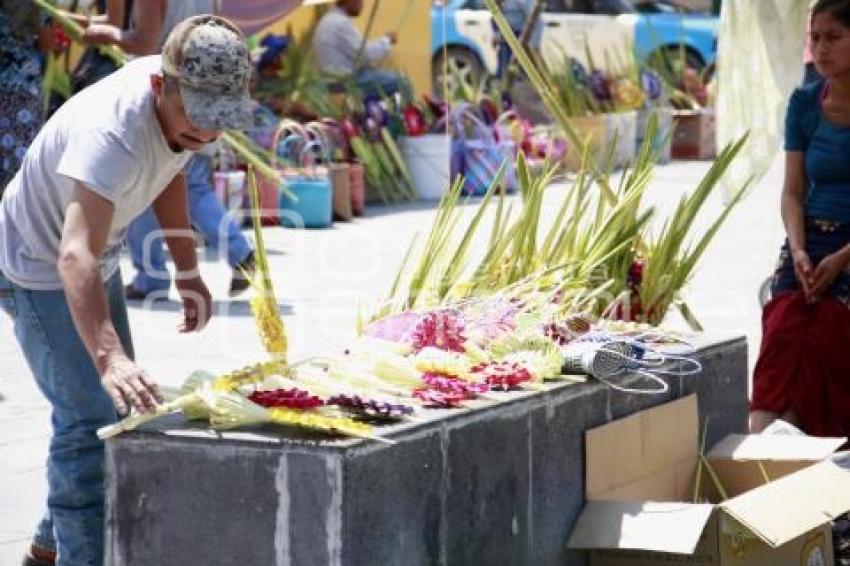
<point x="286" y="398"/>
<point x="61" y="41"/>
<point x="414" y="121"/>
<point x="635" y="274"/>
<point x="446" y="391"/>
<point x="350" y="128"/>
<point x="502" y="375"/>
<point x="440" y="329"/>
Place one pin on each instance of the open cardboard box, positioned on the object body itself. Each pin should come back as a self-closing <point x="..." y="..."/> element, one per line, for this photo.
<point x="642" y="477"/>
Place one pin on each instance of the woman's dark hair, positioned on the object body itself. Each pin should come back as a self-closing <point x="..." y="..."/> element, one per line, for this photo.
<point x="838" y="9"/>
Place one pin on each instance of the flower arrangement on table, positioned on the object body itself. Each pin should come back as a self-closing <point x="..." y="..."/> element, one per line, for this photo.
<point x="453" y="333"/>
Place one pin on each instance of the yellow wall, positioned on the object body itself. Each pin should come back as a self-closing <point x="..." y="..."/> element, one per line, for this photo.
<point x="412" y="53"/>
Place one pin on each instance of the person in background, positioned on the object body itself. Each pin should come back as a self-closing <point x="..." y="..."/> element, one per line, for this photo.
<point x="106" y="155"/>
<point x="152" y="20"/>
<point x="150" y="23"/>
<point x="22" y="38"/>
<point x="340" y="50"/>
<point x="515" y="12"/>
<point x="94" y="65"/>
<point x="269" y="84"/>
<point x="270" y="88"/>
<point x="802" y="374"/>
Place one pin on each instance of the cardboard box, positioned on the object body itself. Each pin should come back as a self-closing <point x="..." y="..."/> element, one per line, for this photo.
<point x="641" y="479"/>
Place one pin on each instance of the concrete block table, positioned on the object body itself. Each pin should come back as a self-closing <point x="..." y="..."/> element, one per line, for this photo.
<point x="497" y="484"/>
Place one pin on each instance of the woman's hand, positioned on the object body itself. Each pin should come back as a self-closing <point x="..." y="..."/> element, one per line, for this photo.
<point x="825" y="274"/>
<point x="803" y="270"/>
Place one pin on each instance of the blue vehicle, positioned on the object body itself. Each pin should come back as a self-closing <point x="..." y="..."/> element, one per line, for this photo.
<point x="463" y="41"/>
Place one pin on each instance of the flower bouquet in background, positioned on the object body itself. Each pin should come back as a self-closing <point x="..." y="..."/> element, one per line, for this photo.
<point x="497" y="109"/>
<point x="686" y="87"/>
<point x="689" y="92"/>
<point x="585" y="98"/>
<point x="372" y="126"/>
<point x="428" y="115"/>
<point x="655" y="104"/>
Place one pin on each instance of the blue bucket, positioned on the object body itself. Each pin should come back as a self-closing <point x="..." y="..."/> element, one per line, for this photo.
<point x="314" y="208"/>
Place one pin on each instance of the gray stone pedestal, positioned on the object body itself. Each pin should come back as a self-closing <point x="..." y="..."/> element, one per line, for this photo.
<point x="497" y="484"/>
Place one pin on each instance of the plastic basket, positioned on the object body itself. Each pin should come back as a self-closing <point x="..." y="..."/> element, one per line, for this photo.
<point x="314" y="208"/>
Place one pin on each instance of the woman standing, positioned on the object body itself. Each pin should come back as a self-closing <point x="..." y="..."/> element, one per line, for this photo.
<point x="803" y="370"/>
<point x="20" y="84"/>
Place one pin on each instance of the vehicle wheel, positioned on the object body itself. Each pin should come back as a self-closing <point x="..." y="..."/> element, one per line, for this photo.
<point x="453" y="67"/>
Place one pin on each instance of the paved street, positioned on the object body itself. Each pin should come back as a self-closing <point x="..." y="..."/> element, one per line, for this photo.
<point x="321" y="278"/>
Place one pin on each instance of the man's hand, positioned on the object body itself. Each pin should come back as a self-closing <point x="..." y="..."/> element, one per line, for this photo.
<point x="393" y="37"/>
<point x="102" y="34"/>
<point x="825" y="274"/>
<point x="129" y="386"/>
<point x="197" y="303"/>
<point x="803" y="270"/>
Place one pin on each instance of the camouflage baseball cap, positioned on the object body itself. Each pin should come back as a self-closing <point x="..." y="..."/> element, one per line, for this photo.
<point x="208" y="58"/>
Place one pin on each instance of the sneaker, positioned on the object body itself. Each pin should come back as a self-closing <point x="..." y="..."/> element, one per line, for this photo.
<point x="133" y="294"/>
<point x="239" y="282"/>
<point x="38" y="556"/>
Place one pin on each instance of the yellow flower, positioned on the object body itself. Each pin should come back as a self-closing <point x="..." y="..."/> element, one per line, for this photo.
<point x="269" y="324"/>
<point x="263" y="303"/>
<point x="627" y="94"/>
<point x="251" y="374"/>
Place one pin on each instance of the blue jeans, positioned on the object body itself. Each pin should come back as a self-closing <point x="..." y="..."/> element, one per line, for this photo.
<point x="381" y="82"/>
<point x="823" y="238"/>
<point x="66" y="376"/>
<point x="206" y="214"/>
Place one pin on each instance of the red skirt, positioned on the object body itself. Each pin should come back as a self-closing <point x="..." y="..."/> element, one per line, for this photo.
<point x="804" y="363"/>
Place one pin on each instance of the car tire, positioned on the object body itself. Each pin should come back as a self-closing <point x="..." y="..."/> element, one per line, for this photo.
<point x="461" y="63"/>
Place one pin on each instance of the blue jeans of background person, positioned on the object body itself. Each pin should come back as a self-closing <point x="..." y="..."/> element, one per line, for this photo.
<point x="205" y="212"/>
<point x="66" y="376"/>
<point x="381" y="82"/>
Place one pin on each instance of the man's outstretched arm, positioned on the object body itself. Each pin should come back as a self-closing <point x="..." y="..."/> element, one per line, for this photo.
<point x="88" y="220"/>
<point x="171" y="209"/>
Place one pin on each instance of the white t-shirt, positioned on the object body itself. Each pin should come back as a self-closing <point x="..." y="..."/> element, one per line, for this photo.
<point x="337" y="41"/>
<point x="106" y="137"/>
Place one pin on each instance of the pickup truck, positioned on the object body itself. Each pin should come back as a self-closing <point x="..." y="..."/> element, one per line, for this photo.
<point x="463" y="39"/>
